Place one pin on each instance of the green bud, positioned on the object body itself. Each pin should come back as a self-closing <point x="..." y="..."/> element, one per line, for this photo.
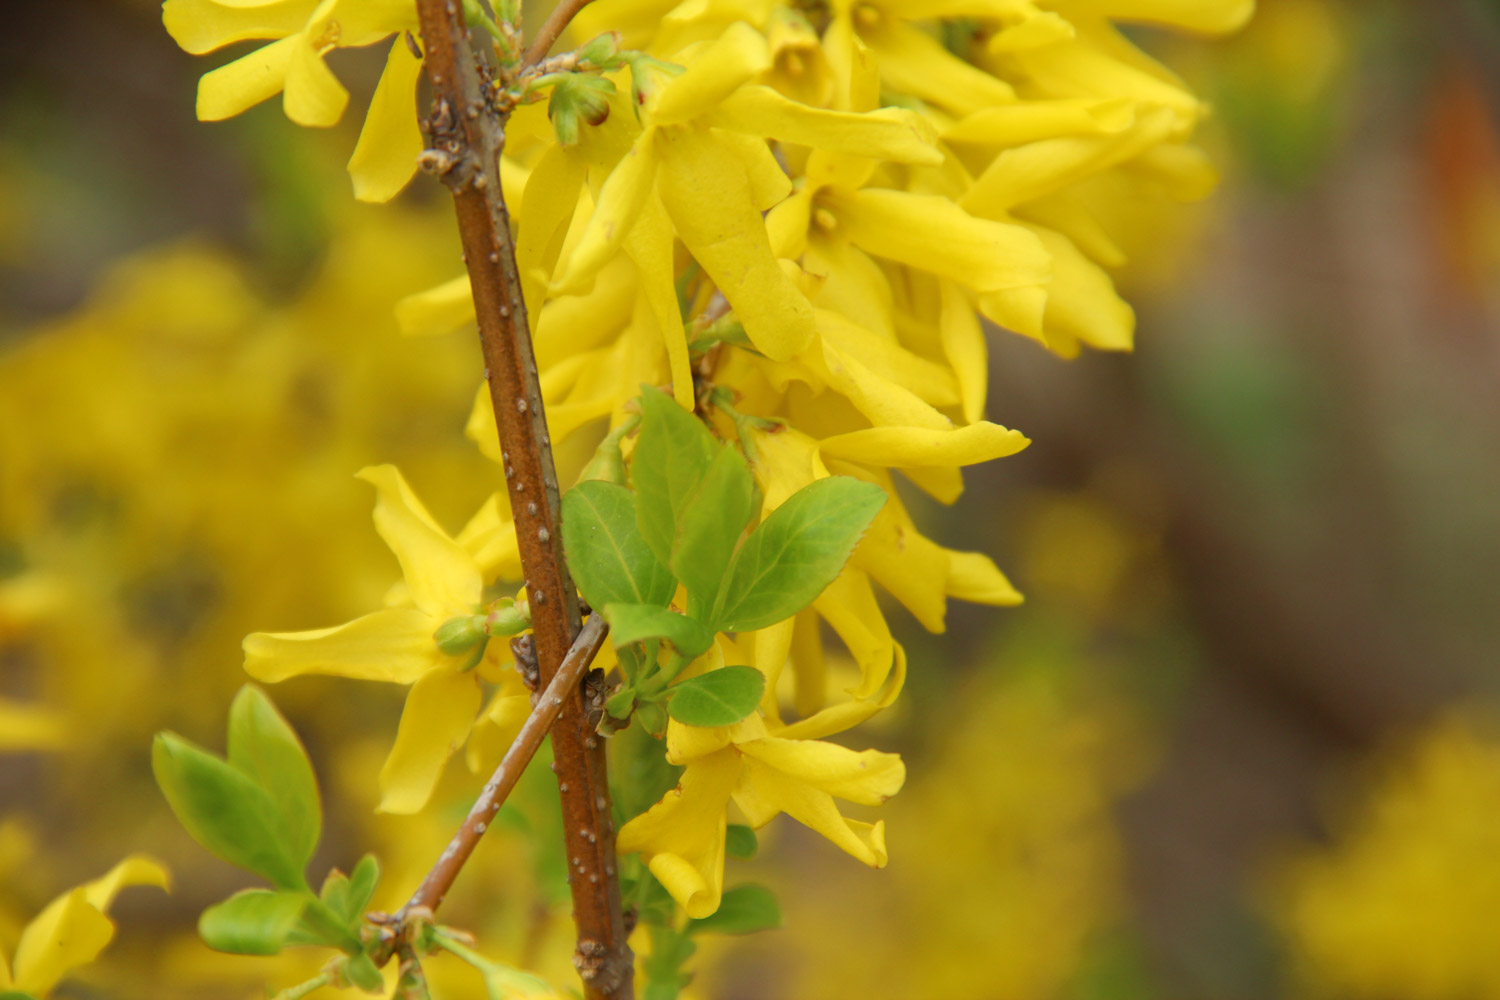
<point x="461" y="634"/>
<point x="601" y="52"/>
<point x="620" y="703"/>
<point x="608" y="462"/>
<point x="507" y="617"/>
<point x="653" y="716"/>
<point x="578" y="98"/>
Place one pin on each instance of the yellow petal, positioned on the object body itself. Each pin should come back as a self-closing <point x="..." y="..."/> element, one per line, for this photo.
<point x="1032" y="171"/>
<point x="438" y="310"/>
<point x="246" y="82"/>
<point x="733" y="59"/>
<point x="137" y="869"/>
<point x="546" y="209"/>
<point x="619" y="204"/>
<point x="973" y="576"/>
<point x="933" y="234"/>
<point x="786" y="224"/>
<point x="706" y="194"/>
<point x="5" y="980"/>
<point x="913" y="62"/>
<point x="930" y="382"/>
<point x="1033" y="121"/>
<point x="393" y="644"/>
<point x="868" y="777"/>
<point x="435" y="722"/>
<point x="848" y="714"/>
<point x="914" y="447"/>
<point x="385" y="157"/>
<point x="314" y="97"/>
<point x="1037" y="29"/>
<point x="1082" y="304"/>
<point x="768" y="181"/>
<point x="906" y="563"/>
<point x="850" y="608"/>
<point x="443" y="578"/>
<point x="682" y="836"/>
<point x="966" y="349"/>
<point x="765" y="792"/>
<point x="883" y="402"/>
<point x="856" y="287"/>
<point x="201" y="26"/>
<point x="888" y="134"/>
<point x="70" y="932"/>
<point x="650" y="247"/>
<point x="490" y="538"/>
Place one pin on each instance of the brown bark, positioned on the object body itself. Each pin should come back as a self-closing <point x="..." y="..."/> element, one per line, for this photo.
<point x="466" y="136"/>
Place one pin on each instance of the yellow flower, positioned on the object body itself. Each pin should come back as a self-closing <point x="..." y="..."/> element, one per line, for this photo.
<point x="73" y="929"/>
<point x="766" y="770"/>
<point x="444" y="583"/>
<point x="305" y="31"/>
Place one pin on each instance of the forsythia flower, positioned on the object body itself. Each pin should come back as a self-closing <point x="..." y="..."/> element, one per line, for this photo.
<point x="404" y="644"/>
<point x="766" y="770"/>
<point x="305" y="31"/>
<point x="73" y="929"/>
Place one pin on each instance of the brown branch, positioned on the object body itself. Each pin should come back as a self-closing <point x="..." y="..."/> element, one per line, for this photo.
<point x="435" y="886"/>
<point x="466" y="137"/>
<point x="552" y="29"/>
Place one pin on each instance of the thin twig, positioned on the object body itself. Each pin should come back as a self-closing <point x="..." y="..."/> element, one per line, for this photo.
<point x="552" y="29"/>
<point x="438" y="881"/>
<point x="466" y="136"/>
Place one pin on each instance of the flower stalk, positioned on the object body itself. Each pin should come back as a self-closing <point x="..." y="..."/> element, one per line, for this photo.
<point x="465" y="133"/>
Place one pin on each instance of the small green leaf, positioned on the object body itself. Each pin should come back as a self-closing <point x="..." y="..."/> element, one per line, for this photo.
<point x="796" y="552"/>
<point x="744" y="909"/>
<point x="671" y="457"/>
<point x="740" y="842"/>
<point x="710" y="525"/>
<point x="718" y="698"/>
<point x="362" y="882"/>
<point x="226" y="811"/>
<point x="263" y="745"/>
<point x="620" y="703"/>
<point x="253" y="922"/>
<point x="607" y="556"/>
<point x="363" y="974"/>
<point x="348" y="895"/>
<point x="630" y="623"/>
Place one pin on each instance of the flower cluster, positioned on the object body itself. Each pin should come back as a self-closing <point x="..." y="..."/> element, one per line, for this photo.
<point x="796" y="216"/>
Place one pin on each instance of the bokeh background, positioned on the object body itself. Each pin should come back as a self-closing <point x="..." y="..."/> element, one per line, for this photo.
<point x="1241" y="742"/>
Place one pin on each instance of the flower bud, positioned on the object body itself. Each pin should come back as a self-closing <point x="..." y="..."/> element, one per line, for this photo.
<point x="507" y="617"/>
<point x="601" y="52"/>
<point x="461" y="634"/>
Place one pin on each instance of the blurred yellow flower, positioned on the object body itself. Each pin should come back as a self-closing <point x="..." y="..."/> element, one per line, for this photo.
<point x="403" y="644"/>
<point x="305" y="31"/>
<point x="73" y="929"/>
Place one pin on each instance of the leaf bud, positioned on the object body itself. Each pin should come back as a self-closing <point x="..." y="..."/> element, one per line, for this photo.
<point x="601" y="52"/>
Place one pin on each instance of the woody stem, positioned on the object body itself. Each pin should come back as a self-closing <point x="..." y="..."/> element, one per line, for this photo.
<point x="465" y="137"/>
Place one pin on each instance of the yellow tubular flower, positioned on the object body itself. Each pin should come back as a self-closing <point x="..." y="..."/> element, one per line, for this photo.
<point x="293" y="66"/>
<point x="73" y="929"/>
<point x="444" y="581"/>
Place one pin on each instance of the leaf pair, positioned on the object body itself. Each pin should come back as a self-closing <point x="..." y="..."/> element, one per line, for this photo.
<point x="258" y="808"/>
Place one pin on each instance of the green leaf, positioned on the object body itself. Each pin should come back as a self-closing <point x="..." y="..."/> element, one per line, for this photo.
<point x="671" y="457"/>
<point x="670" y="949"/>
<point x="607" y="556"/>
<point x="745" y="909"/>
<point x="265" y="747"/>
<point x="718" y="698"/>
<point x="740" y="842"/>
<point x="348" y="895"/>
<point x="253" y="922"/>
<point x="710" y="525"/>
<point x="796" y="552"/>
<point x="225" y="811"/>
<point x="630" y="623"/>
<point x="363" y="974"/>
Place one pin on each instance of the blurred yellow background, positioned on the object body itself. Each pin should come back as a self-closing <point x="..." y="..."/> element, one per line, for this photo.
<point x="1241" y="742"/>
